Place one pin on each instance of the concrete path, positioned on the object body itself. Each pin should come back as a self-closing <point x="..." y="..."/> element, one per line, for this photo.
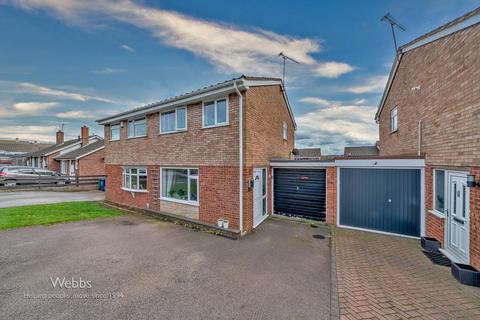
<point x="142" y="268"/>
<point x="25" y="198"/>
<point x="385" y="277"/>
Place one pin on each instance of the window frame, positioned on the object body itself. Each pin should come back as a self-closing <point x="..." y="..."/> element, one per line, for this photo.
<point x="216" y="123"/>
<point x="176" y="121"/>
<point x="285" y="130"/>
<point x="134" y="131"/>
<point x="392" y="129"/>
<point x="124" y="175"/>
<point x="111" y="129"/>
<point x="434" y="177"/>
<point x="189" y="177"/>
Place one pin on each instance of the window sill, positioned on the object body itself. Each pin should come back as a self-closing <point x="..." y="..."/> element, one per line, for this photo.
<point x="172" y="132"/>
<point x="394" y="131"/>
<point x="190" y="203"/>
<point x="216" y="126"/>
<point x="114" y="140"/>
<point x="437" y="214"/>
<point x="128" y="138"/>
<point x="134" y="190"/>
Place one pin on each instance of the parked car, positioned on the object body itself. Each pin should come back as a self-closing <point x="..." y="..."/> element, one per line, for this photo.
<point x="11" y="176"/>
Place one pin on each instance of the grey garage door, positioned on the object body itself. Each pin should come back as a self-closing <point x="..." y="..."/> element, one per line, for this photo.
<point x="299" y="193"/>
<point x="381" y="199"/>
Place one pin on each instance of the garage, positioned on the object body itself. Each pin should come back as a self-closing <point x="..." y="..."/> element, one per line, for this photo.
<point x="381" y="199"/>
<point x="300" y="192"/>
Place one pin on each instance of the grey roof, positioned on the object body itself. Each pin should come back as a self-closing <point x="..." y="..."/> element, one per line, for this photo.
<point x="78" y="153"/>
<point x="308" y="153"/>
<point x="21" y="146"/>
<point x="360" y="151"/>
<point x="44" y="151"/>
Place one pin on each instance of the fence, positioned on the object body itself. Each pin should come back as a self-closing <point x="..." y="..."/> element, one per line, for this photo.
<point x="41" y="182"/>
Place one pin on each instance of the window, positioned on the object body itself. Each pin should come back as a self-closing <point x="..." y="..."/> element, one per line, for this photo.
<point x="264" y="191"/>
<point x="134" y="179"/>
<point x="285" y="131"/>
<point x="439" y="200"/>
<point x="114" y="132"/>
<point x="180" y="184"/>
<point x="393" y="120"/>
<point x="63" y="167"/>
<point x="172" y="121"/>
<point x="215" y="113"/>
<point x="137" y="128"/>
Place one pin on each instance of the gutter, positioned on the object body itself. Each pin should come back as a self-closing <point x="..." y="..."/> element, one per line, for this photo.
<point x="240" y="151"/>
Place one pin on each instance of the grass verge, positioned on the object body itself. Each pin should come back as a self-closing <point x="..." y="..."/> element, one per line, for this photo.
<point x="53" y="213"/>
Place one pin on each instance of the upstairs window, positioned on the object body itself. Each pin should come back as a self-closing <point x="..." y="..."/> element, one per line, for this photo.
<point x="285" y="131"/>
<point x="393" y="120"/>
<point x="215" y="113"/>
<point x="137" y="128"/>
<point x="172" y="121"/>
<point x="114" y="132"/>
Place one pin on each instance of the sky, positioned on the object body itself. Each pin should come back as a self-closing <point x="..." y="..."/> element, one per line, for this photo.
<point x="66" y="62"/>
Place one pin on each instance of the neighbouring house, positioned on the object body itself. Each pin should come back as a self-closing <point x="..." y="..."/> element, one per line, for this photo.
<point x="307" y="154"/>
<point x="361" y="151"/>
<point x="83" y="156"/>
<point x="203" y="155"/>
<point x="14" y="152"/>
<point x="431" y="108"/>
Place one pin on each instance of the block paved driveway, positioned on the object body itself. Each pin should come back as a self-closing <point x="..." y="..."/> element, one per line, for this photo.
<point x="164" y="271"/>
<point x="384" y="277"/>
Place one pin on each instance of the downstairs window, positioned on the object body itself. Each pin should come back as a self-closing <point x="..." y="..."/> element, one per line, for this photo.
<point x="180" y="184"/>
<point x="135" y="179"/>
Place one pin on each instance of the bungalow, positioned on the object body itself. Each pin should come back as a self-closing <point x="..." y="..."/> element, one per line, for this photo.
<point x="64" y="157"/>
<point x="430" y="107"/>
<point x="203" y="155"/>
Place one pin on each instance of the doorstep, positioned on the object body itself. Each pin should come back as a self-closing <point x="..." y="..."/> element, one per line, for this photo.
<point x="196" y="224"/>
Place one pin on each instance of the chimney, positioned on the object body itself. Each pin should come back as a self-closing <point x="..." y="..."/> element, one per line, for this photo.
<point x="84" y="135"/>
<point x="60" y="137"/>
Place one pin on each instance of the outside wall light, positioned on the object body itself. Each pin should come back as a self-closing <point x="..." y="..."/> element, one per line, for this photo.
<point x="471" y="183"/>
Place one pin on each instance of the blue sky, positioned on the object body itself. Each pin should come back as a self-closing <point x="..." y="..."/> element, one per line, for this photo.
<point x="71" y="62"/>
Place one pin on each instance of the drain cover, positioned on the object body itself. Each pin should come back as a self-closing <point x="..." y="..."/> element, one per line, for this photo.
<point x="437" y="258"/>
<point x="318" y="236"/>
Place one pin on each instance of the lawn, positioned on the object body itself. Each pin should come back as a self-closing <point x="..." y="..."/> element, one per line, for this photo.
<point x="53" y="213"/>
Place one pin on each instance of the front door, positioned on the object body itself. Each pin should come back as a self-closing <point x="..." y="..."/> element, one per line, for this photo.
<point x="259" y="196"/>
<point x="72" y="168"/>
<point x="458" y="228"/>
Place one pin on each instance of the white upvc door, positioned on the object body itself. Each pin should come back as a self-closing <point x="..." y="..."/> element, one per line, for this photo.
<point x="72" y="168"/>
<point x="259" y="196"/>
<point x="458" y="220"/>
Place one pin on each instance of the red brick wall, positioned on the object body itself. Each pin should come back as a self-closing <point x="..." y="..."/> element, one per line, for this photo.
<point x="52" y="164"/>
<point x="475" y="221"/>
<point x="331" y="195"/>
<point x="114" y="192"/>
<point x="93" y="164"/>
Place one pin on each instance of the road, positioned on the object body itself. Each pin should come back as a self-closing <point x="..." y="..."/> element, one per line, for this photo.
<point x="25" y="198"/>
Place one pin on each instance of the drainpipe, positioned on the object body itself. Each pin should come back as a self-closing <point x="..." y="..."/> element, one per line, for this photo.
<point x="419" y="137"/>
<point x="240" y="148"/>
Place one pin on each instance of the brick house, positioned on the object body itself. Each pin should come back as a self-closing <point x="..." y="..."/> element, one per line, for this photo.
<point x="83" y="156"/>
<point x="431" y="108"/>
<point x="203" y="155"/>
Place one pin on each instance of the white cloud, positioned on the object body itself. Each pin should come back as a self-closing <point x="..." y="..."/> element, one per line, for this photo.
<point x="336" y="125"/>
<point x="373" y="84"/>
<point x="332" y="69"/>
<point x="229" y="48"/>
<point x="33" y="107"/>
<point x="127" y="48"/>
<point x="39" y="133"/>
<point x="319" y="101"/>
<point x="74" y="114"/>
<point x="107" y="71"/>
<point x="360" y="101"/>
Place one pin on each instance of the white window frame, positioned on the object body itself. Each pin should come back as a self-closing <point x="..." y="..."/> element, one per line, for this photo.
<point x="63" y="167"/>
<point x="176" y="121"/>
<point x="124" y="177"/>
<point x="133" y="121"/>
<point x="216" y="124"/>
<point x="111" y="129"/>
<point x="445" y="184"/>
<point x="392" y="129"/>
<point x="189" y="177"/>
<point x="285" y="131"/>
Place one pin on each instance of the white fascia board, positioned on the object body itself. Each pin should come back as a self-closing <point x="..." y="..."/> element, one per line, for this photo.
<point x="457" y="27"/>
<point x="88" y="153"/>
<point x="381" y="163"/>
<point x="61" y="149"/>
<point x="300" y="164"/>
<point x="198" y="97"/>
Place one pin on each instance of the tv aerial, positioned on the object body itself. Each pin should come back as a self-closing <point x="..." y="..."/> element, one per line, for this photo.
<point x="393" y="24"/>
